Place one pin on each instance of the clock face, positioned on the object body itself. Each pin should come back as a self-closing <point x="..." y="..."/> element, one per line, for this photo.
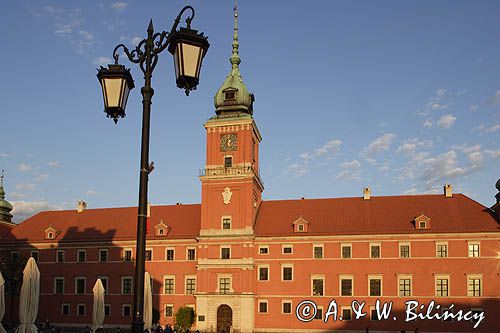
<point x="228" y="142"/>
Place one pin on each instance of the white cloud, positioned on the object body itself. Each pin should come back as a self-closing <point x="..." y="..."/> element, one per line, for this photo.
<point x="446" y="121"/>
<point x="102" y="61"/>
<point x="347" y="175"/>
<point x="351" y="172"/>
<point x="441" y="167"/>
<point x="136" y="40"/>
<point x="411" y="191"/>
<point x="15" y="195"/>
<point x="495" y="154"/>
<point x="54" y="164"/>
<point x="409" y="146"/>
<point x="41" y="177"/>
<point x="483" y="129"/>
<point x="428" y="123"/>
<point x="495" y="100"/>
<point x="4" y="155"/>
<point x="24" y="167"/>
<point x="435" y="103"/>
<point x="297" y="170"/>
<point x="26" y="186"/>
<point x="91" y="192"/>
<point x="350" y="165"/>
<point x="378" y="145"/>
<point x="473" y="108"/>
<point x="25" y="209"/>
<point x="330" y="148"/>
<point x="119" y="5"/>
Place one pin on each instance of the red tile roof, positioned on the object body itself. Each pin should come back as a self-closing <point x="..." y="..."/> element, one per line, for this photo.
<point x="379" y="215"/>
<point x="337" y="216"/>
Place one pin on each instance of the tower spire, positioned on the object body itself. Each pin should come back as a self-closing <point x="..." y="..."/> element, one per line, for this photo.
<point x="235" y="57"/>
<point x="5" y="206"/>
<point x="2" y="192"/>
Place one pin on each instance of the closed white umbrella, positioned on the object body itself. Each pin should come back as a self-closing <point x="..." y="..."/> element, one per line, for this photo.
<point x="2" y="301"/>
<point x="98" y="310"/>
<point x="148" y="303"/>
<point x="28" y="302"/>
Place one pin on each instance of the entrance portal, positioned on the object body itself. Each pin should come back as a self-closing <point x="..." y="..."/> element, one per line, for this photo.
<point x="224" y="318"/>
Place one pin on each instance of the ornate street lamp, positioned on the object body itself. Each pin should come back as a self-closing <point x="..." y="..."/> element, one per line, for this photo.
<point x="188" y="48"/>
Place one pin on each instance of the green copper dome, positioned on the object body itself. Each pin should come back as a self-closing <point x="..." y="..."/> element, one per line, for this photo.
<point x="233" y="96"/>
<point x="5" y="206"/>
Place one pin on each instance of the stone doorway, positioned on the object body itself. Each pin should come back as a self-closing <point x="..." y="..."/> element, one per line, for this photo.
<point x="224" y="318"/>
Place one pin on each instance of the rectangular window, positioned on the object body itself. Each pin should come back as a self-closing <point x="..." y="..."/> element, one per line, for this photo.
<point x="59" y="285"/>
<point x="126" y="310"/>
<point x="262" y="306"/>
<point x="107" y="309"/>
<point x="191" y="254"/>
<point x="80" y="285"/>
<point x="346" y="251"/>
<point x="34" y="255"/>
<point x="149" y="255"/>
<point x="170" y="254"/>
<point x="442" y="250"/>
<point x="263" y="249"/>
<point x="104" y="281"/>
<point x="169" y="284"/>
<point x="228" y="161"/>
<point x="346" y="287"/>
<point x="442" y="286"/>
<point x="374" y="314"/>
<point x="263" y="273"/>
<point x="169" y="310"/>
<point x="103" y="255"/>
<point x="287" y="307"/>
<point x="60" y="255"/>
<point x="65" y="309"/>
<point x="81" y="255"/>
<point x="317" y="286"/>
<point x="224" y="285"/>
<point x="404" y="250"/>
<point x="474" y="250"/>
<point x="190" y="286"/>
<point x="127" y="255"/>
<point x="126" y="285"/>
<point x="374" y="251"/>
<point x="225" y="253"/>
<point x="474" y="286"/>
<point x="375" y="287"/>
<point x="287" y="249"/>
<point x="405" y="286"/>
<point x="346" y="314"/>
<point x="318" y="252"/>
<point x="226" y="223"/>
<point x="287" y="272"/>
<point x="80" y="309"/>
<point x="319" y="313"/>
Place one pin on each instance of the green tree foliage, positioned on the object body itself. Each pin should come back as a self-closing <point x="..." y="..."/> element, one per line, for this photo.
<point x="12" y="265"/>
<point x="184" y="318"/>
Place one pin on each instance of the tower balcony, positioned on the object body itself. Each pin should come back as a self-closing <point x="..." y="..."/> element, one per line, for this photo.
<point x="233" y="171"/>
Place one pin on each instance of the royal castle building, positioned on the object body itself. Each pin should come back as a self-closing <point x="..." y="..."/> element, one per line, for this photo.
<point x="247" y="265"/>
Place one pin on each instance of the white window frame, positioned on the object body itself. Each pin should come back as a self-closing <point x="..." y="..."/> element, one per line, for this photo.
<point x="264" y="247"/>
<point x="376" y="277"/>
<point x="442" y="277"/>
<point x="185" y="284"/>
<point x="286" y="246"/>
<point x="447" y="249"/>
<point x="268" y="272"/>
<point x="342" y="245"/>
<point x="475" y="276"/>
<point x="109" y="307"/>
<point x="322" y="246"/>
<point x="379" y="250"/>
<point x="78" y="309"/>
<point x="55" y="284"/>
<point x="404" y="277"/>
<point x="187" y="253"/>
<point x="165" y="277"/>
<point x="469" y="244"/>
<point x="318" y="277"/>
<point x="287" y="265"/>
<point x="263" y="301"/>
<point x="346" y="277"/>
<point x="152" y="253"/>
<point x="78" y="251"/>
<point x="225" y="247"/>
<point x="221" y="276"/>
<point x="131" y="255"/>
<point x="165" y="310"/>
<point x="62" y="309"/>
<point x="400" y="244"/>
<point x="63" y="256"/>
<point x="106" y="291"/>
<point x="123" y="285"/>
<point x="123" y="310"/>
<point x="84" y="278"/>
<point x="170" y="248"/>
<point x="222" y="218"/>
<point x="283" y="304"/>
<point x="107" y="255"/>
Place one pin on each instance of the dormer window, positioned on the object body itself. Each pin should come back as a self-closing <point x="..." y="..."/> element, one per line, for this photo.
<point x="50" y="233"/>
<point x="161" y="229"/>
<point x="422" y="222"/>
<point x="300" y="225"/>
<point x="230" y="95"/>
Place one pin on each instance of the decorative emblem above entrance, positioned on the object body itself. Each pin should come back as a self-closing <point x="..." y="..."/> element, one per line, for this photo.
<point x="226" y="195"/>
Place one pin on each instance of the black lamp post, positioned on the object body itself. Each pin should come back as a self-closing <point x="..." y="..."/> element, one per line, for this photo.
<point x="188" y="48"/>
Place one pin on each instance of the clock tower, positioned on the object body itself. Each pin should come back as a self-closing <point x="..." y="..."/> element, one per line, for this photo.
<point x="230" y="199"/>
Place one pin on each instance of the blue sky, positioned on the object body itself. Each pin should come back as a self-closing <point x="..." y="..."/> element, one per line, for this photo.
<point x="401" y="96"/>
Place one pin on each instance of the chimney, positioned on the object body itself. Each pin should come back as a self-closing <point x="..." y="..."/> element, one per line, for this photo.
<point x="367" y="193"/>
<point x="81" y="206"/>
<point x="448" y="191"/>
